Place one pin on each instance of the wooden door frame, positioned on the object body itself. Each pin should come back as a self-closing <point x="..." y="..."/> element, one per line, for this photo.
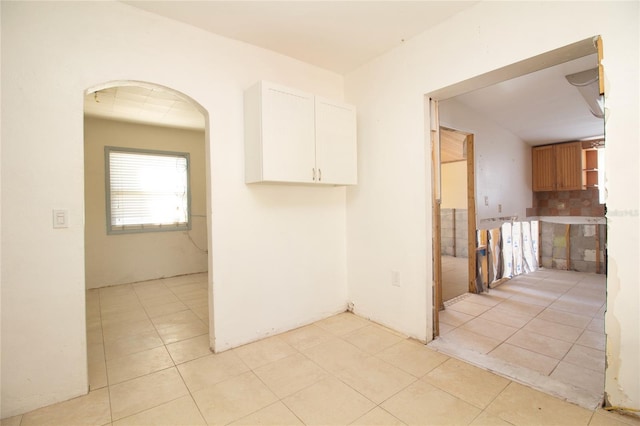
<point x="436" y="163"/>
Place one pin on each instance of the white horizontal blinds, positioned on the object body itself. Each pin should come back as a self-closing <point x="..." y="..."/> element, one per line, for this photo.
<point x="148" y="190"/>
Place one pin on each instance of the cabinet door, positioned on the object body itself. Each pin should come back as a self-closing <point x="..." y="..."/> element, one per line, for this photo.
<point x="288" y="139"/>
<point x="336" y="144"/>
<point x="544" y="170"/>
<point x="568" y="166"/>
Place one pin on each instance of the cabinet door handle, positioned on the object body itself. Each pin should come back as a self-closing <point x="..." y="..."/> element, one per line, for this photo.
<point x="314" y="174"/>
<point x="319" y="175"/>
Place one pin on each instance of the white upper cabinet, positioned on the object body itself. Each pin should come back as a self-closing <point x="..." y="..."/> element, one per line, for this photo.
<point x="294" y="137"/>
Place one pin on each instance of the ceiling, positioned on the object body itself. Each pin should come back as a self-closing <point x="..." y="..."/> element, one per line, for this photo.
<point x="144" y="104"/>
<point x="340" y="36"/>
<point x="334" y="35"/>
<point x="541" y="107"/>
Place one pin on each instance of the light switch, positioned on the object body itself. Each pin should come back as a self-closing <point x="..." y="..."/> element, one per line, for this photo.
<point x="60" y="218"/>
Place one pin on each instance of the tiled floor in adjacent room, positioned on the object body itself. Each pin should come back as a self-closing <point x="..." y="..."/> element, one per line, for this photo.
<point x="546" y="327"/>
<point x="455" y="273"/>
<point x="150" y="364"/>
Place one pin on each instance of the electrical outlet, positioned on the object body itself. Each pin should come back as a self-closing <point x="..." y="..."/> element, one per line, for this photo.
<point x="499" y="208"/>
<point x="486" y="200"/>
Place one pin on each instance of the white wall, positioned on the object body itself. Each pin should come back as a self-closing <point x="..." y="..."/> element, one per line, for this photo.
<point x="389" y="212"/>
<point x="277" y="252"/>
<point x="125" y="258"/>
<point x="502" y="162"/>
<point x="454" y="185"/>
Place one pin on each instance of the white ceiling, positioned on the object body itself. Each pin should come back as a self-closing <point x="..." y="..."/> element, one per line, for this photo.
<point x="334" y="35"/>
<point x="340" y="36"/>
<point x="541" y="107"/>
<point x="144" y="104"/>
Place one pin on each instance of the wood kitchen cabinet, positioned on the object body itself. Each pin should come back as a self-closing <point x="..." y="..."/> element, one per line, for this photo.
<point x="295" y="137"/>
<point x="558" y="167"/>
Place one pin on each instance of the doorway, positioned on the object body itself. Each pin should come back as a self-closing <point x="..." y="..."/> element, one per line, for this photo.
<point x="147" y="220"/>
<point x="457" y="213"/>
<point x="536" y="302"/>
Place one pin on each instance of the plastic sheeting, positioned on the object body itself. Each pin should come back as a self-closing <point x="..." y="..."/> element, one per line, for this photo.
<point x="512" y="249"/>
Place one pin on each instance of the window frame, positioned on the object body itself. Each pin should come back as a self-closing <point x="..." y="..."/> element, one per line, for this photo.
<point x="143" y="228"/>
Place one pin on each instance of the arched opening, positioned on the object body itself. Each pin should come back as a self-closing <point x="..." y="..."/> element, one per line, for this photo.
<point x="147" y="222"/>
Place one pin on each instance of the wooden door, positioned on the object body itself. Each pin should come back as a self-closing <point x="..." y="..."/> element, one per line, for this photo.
<point x="568" y="158"/>
<point x="544" y="169"/>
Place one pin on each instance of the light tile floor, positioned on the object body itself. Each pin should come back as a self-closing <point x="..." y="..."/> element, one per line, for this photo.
<point x="150" y="364"/>
<point x="455" y="271"/>
<point x="548" y="324"/>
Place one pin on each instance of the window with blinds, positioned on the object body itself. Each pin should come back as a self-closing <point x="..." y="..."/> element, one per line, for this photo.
<point x="146" y="190"/>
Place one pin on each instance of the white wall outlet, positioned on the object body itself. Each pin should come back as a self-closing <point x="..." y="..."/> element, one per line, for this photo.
<point x="60" y="218"/>
<point x="499" y="208"/>
<point x="486" y="200"/>
<point x="395" y="278"/>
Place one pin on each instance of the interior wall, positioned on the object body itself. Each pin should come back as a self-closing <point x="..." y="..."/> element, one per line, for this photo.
<point x="125" y="258"/>
<point x="502" y="162"/>
<point x="277" y="253"/>
<point x="454" y="185"/>
<point x="389" y="219"/>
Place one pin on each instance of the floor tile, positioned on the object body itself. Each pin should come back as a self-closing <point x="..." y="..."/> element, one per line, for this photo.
<point x="603" y="417"/>
<point x="488" y="328"/>
<point x="165" y="309"/>
<point x="421" y="402"/>
<point x="541" y="344"/>
<point x="211" y="369"/>
<point x="184" y="317"/>
<point x="593" y="359"/>
<point x="132" y="344"/>
<point x="306" y="337"/>
<point x="336" y="355"/>
<point x="372" y="339"/>
<point x="275" y="415"/>
<point x="487" y="299"/>
<point x="134" y="396"/>
<point x="189" y="349"/>
<point x="471" y="341"/>
<point x="592" y="339"/>
<point x="566" y="318"/>
<point x="519" y="308"/>
<point x="506" y="318"/>
<point x="597" y="325"/>
<point x="552" y="329"/>
<point x="291" y="374"/>
<point x="97" y="375"/>
<point x="471" y="384"/>
<point x="138" y="364"/>
<point x="11" y="421"/>
<point x="179" y="332"/>
<point x="412" y="357"/>
<point x="264" y="351"/>
<point x="453" y="317"/>
<point x="525" y="358"/>
<point x="125" y="330"/>
<point x="445" y="328"/>
<point x="579" y="376"/>
<point x="486" y="419"/>
<point x="520" y="405"/>
<point x="91" y="409"/>
<point x="181" y="411"/>
<point x="378" y="417"/>
<point x="312" y="404"/>
<point x="469" y="308"/>
<point x="233" y="399"/>
<point x="342" y="324"/>
<point x="376" y="379"/>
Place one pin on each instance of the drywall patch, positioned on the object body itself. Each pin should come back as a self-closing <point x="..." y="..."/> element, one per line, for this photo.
<point x="589" y="230"/>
